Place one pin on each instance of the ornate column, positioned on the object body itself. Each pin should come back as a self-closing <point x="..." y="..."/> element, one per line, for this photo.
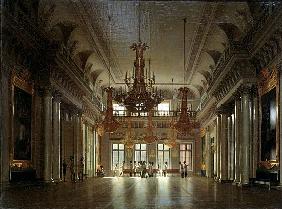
<point x="218" y="136"/>
<point x="255" y="122"/>
<point x="77" y="140"/>
<point x="237" y="122"/>
<point x="208" y="153"/>
<point x="245" y="143"/>
<point x="56" y="164"/>
<point x="47" y="134"/>
<point x="280" y="119"/>
<point x="230" y="151"/>
<point x="232" y="177"/>
<point x="223" y="148"/>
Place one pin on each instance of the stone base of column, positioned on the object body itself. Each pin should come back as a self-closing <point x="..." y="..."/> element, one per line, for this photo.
<point x="223" y="181"/>
<point x="235" y="182"/>
<point x="244" y="184"/>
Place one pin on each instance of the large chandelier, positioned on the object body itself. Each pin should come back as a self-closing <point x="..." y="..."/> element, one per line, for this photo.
<point x="150" y="137"/>
<point x="184" y="125"/>
<point x="109" y="124"/>
<point x="140" y="95"/>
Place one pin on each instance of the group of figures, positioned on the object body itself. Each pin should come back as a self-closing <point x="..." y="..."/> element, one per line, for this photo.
<point x="70" y="165"/>
<point x="183" y="169"/>
<point x="141" y="168"/>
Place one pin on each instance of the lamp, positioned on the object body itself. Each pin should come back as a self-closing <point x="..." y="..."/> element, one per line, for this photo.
<point x="184" y="125"/>
<point x="141" y="95"/>
<point x="172" y="135"/>
<point x="109" y="124"/>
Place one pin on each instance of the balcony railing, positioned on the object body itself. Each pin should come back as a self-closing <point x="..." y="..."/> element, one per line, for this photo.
<point x="156" y="113"/>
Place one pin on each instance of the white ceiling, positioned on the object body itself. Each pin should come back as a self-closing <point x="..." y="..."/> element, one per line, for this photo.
<point x="161" y="28"/>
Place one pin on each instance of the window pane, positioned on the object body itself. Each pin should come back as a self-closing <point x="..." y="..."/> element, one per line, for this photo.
<point x="115" y="146"/>
<point x="166" y="147"/>
<point x="189" y="146"/>
<point x="137" y="146"/>
<point x="143" y="156"/>
<point x="160" y="146"/>
<point x="182" y="146"/>
<point x="121" y="156"/>
<point x="121" y="146"/>
<point x="115" y="157"/>
<point x="143" y="146"/>
<point x="182" y="156"/>
<point x="137" y="156"/>
<point x="166" y="156"/>
<point x="160" y="157"/>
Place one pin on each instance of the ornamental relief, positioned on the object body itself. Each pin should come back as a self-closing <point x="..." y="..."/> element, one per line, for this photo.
<point x="268" y="79"/>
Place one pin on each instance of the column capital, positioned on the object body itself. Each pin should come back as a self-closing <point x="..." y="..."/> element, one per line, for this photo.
<point x="237" y="95"/>
<point x="75" y="111"/>
<point x="57" y="96"/>
<point x="47" y="91"/>
<point x="224" y="110"/>
<point x="246" y="89"/>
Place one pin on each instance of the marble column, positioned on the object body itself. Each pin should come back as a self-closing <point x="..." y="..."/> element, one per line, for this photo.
<point x="56" y="165"/>
<point x="229" y="141"/>
<point x="208" y="154"/>
<point x="218" y="136"/>
<point x="47" y="135"/>
<point x="237" y="124"/>
<point x="255" y="135"/>
<point x="77" y="142"/>
<point x="280" y="121"/>
<point x="245" y="143"/>
<point x="223" y="149"/>
<point x="232" y="151"/>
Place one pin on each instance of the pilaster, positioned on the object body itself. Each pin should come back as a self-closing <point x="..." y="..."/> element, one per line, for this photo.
<point x="223" y="148"/>
<point x="218" y="139"/>
<point x="56" y="160"/>
<point x="280" y="119"/>
<point x="237" y="124"/>
<point x="47" y="135"/>
<point x="208" y="153"/>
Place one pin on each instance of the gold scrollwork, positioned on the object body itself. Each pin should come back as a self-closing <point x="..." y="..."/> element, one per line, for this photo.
<point x="268" y="79"/>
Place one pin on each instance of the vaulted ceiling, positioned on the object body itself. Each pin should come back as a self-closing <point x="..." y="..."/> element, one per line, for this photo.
<point x="99" y="34"/>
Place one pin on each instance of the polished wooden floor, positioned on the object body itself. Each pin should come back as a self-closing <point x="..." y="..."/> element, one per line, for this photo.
<point x="125" y="192"/>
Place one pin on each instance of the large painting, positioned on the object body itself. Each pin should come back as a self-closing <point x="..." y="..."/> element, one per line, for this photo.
<point x="268" y="126"/>
<point x="22" y="124"/>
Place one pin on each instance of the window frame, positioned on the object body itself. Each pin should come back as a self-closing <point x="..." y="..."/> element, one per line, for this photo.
<point x="186" y="150"/>
<point x="118" y="150"/>
<point x="139" y="151"/>
<point x="163" y="156"/>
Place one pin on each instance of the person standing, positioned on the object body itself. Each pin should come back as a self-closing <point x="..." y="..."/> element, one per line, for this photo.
<point x="72" y="173"/>
<point x="185" y="169"/>
<point x="122" y="168"/>
<point x="131" y="169"/>
<point x="165" y="169"/>
<point x="181" y="169"/>
<point x="81" y="169"/>
<point x="135" y="168"/>
<point x="64" y="169"/>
